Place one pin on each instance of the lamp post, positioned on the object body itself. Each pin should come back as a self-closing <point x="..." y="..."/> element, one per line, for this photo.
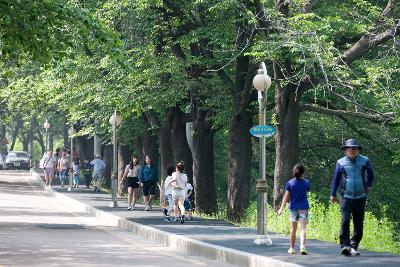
<point x="262" y="82"/>
<point x="47" y="125"/>
<point x="71" y="133"/>
<point x="114" y="121"/>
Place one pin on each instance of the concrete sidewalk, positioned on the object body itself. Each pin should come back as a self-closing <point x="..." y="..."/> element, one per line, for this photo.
<point x="217" y="239"/>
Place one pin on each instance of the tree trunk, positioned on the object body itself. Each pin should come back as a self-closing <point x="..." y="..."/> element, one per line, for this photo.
<point x="163" y="130"/>
<point x="138" y="144"/>
<point x="108" y="159"/>
<point x="15" y="134"/>
<point x="123" y="160"/>
<point x="40" y="137"/>
<point x="65" y="134"/>
<point x="203" y="165"/>
<point x="84" y="147"/>
<point x="31" y="136"/>
<point x="51" y="140"/>
<point x="150" y="147"/>
<point x="286" y="138"/>
<point x="180" y="147"/>
<point x="239" y="173"/>
<point x="240" y="149"/>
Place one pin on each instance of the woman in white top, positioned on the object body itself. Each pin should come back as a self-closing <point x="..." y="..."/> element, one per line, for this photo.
<point x="132" y="171"/>
<point x="179" y="182"/>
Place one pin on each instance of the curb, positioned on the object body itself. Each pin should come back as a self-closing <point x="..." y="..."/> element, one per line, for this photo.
<point x="182" y="243"/>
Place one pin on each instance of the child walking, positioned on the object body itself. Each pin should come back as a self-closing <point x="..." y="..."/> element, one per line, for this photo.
<point x="76" y="171"/>
<point x="87" y="172"/>
<point x="296" y="192"/>
<point x="186" y="203"/>
<point x="168" y="194"/>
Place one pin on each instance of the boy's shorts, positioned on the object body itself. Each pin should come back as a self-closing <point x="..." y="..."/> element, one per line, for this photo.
<point x="298" y="215"/>
<point x="187" y="205"/>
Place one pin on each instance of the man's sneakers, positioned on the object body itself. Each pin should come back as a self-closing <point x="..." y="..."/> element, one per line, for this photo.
<point x="346" y="250"/>
<point x="291" y="251"/>
<point x="129" y="207"/>
<point x="355" y="252"/>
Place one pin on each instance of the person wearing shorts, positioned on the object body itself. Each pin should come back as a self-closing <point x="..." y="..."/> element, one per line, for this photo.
<point x="49" y="164"/>
<point x="168" y="194"/>
<point x="179" y="183"/>
<point x="188" y="206"/>
<point x="296" y="190"/>
<point x="148" y="180"/>
<point x="98" y="170"/>
<point x="131" y="174"/>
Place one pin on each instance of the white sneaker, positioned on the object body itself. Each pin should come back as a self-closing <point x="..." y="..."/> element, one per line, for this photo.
<point x="354" y="252"/>
<point x="129" y="207"/>
<point x="291" y="251"/>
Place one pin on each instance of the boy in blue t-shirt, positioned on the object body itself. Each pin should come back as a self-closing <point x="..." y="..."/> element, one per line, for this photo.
<point x="296" y="191"/>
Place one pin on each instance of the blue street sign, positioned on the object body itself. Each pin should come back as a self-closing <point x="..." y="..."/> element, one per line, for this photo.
<point x="262" y="131"/>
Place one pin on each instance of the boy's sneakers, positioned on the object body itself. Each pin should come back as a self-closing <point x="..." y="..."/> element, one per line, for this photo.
<point x="291" y="251"/>
<point x="354" y="252"/>
<point x="183" y="219"/>
<point x="346" y="250"/>
<point x="303" y="250"/>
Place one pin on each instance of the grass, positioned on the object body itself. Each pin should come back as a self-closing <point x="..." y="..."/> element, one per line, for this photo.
<point x="324" y="224"/>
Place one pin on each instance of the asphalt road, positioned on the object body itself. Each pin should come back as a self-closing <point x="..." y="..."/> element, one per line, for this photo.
<point x="35" y="230"/>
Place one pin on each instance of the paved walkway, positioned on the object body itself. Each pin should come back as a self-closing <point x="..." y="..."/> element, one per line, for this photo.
<point x="220" y="233"/>
<point x="36" y="230"/>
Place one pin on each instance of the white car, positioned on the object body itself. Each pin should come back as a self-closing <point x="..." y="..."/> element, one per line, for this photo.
<point x="18" y="160"/>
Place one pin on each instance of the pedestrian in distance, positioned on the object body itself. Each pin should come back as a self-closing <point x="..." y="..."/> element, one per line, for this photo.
<point x="131" y="174"/>
<point x="49" y="164"/>
<point x="168" y="194"/>
<point x="187" y="202"/>
<point x="148" y="180"/>
<point x="87" y="172"/>
<point x="296" y="193"/>
<point x="353" y="177"/>
<point x="98" y="170"/>
<point x="179" y="182"/>
<point x="57" y="154"/>
<point x="76" y="169"/>
<point x="62" y="167"/>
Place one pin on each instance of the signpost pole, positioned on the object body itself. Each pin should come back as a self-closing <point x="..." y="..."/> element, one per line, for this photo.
<point x="261" y="187"/>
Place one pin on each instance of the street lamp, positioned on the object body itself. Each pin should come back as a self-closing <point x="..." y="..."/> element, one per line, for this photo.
<point x="262" y="82"/>
<point x="114" y="121"/>
<point x="71" y="133"/>
<point x="46" y="125"/>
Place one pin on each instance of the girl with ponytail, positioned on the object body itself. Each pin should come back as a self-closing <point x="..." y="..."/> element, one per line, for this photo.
<point x="296" y="193"/>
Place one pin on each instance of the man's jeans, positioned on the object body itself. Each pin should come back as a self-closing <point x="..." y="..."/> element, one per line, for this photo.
<point x="349" y="208"/>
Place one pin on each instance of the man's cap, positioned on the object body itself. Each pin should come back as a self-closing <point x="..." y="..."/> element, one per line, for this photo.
<point x="351" y="143"/>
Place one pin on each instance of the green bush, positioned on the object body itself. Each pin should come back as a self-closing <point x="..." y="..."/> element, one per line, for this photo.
<point x="324" y="224"/>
